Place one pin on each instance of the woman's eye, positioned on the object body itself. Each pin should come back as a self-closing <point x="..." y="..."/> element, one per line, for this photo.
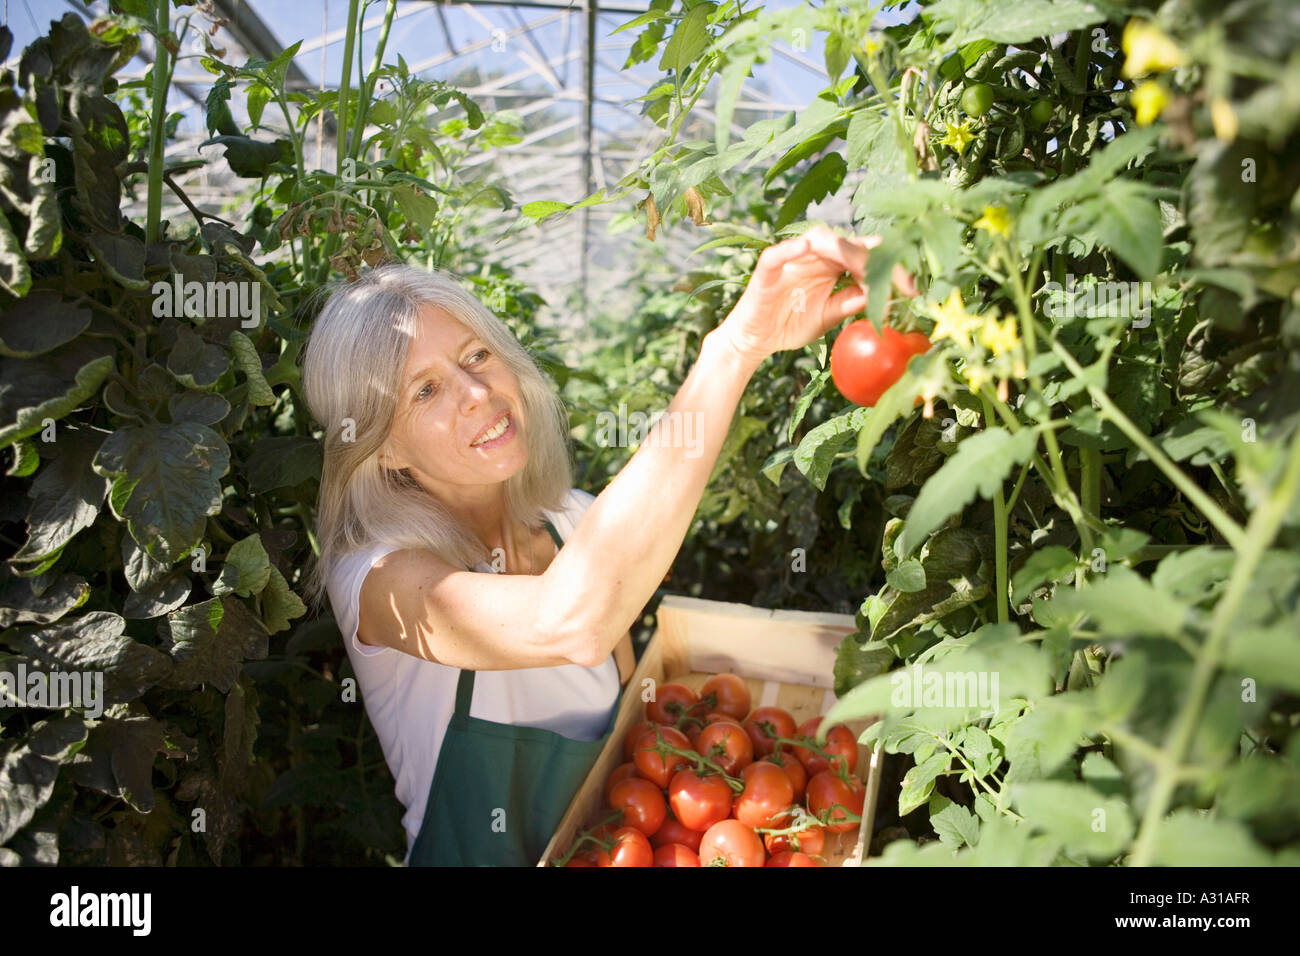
<point x="421" y="393"/>
<point x="476" y="356"/>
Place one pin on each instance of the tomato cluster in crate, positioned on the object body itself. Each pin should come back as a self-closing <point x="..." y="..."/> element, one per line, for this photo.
<point x="709" y="782"/>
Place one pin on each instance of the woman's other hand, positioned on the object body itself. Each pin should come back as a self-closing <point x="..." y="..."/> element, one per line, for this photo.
<point x="789" y="301"/>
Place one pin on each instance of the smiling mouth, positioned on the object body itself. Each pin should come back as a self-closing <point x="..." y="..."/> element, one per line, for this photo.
<point x="496" y="431"/>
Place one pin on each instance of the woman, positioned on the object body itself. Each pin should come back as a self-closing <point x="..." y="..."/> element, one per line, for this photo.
<point x="446" y="454"/>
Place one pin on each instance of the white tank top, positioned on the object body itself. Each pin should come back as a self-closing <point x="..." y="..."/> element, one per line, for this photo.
<point x="409" y="700"/>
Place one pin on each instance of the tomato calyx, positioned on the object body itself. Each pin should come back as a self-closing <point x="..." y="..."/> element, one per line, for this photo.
<point x="701" y="763"/>
<point x="589" y="835"/>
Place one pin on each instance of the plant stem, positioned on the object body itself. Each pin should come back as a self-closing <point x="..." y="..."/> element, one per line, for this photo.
<point x="377" y="61"/>
<point x="158" y="122"/>
<point x="1000" y="536"/>
<point x="1229" y="529"/>
<point x="1260" y="531"/>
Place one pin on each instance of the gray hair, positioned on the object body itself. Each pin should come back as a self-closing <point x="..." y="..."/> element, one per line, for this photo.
<point x="351" y="372"/>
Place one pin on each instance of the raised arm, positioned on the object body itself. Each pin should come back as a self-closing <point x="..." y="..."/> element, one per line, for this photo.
<point x="591" y="593"/>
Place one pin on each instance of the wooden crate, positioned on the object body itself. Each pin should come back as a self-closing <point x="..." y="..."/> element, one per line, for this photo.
<point x="786" y="658"/>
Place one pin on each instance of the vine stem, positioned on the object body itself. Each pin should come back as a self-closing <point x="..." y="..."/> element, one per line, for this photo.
<point x="1260" y="531"/>
<point x="158" y="122"/>
<point x="1231" y="531"/>
<point x="1000" y="535"/>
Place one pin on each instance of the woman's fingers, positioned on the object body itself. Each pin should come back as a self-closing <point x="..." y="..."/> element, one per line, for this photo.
<point x="846" y="302"/>
<point x="903" y="282"/>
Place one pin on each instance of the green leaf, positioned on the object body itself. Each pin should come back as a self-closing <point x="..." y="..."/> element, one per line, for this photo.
<point x="250" y="363"/>
<point x="20" y="604"/>
<point x="279" y="603"/>
<point x="898" y="400"/>
<point x="1121" y="603"/>
<point x="822" y="180"/>
<point x="166" y="483"/>
<point x="979" y="465"/>
<point x="1052" y="563"/>
<point x="258" y="96"/>
<point x="814" y="388"/>
<point x="918" y="783"/>
<point x="418" y="209"/>
<point x="907" y="576"/>
<point x="689" y="39"/>
<point x="66" y="495"/>
<point x="195" y="362"/>
<point x="1045" y="738"/>
<point x="856" y="662"/>
<point x="1270" y="655"/>
<point x="246" y="570"/>
<point x="282" y="462"/>
<point x="50" y="386"/>
<point x="1076" y="815"/>
<point x="29" y="766"/>
<point x="817" y="452"/>
<point x="969" y="20"/>
<point x="210" y="641"/>
<point x="91" y="643"/>
<point x="955" y="825"/>
<point x="1128" y="223"/>
<point x="39" y="323"/>
<point x="1186" y="838"/>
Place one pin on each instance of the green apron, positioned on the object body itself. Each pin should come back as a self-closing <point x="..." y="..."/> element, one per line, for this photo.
<point x="499" y="791"/>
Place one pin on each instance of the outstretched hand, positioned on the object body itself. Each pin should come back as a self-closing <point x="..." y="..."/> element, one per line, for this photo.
<point x="789" y="301"/>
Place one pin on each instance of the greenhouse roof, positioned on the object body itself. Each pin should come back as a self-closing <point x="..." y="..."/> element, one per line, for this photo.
<point x="574" y="100"/>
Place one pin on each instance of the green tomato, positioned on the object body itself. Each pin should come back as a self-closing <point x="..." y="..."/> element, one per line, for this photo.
<point x="976" y="99"/>
<point x="1041" y="111"/>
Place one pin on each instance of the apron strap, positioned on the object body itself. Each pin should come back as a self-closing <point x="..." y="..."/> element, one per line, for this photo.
<point x="465" y="683"/>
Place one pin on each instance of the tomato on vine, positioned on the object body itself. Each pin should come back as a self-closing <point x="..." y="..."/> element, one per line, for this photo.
<point x="864" y="363"/>
<point x="977" y="99"/>
<point x="1041" y="111"/>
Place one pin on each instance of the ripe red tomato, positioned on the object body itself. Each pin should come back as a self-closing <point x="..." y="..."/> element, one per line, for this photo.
<point x="633" y="735"/>
<point x="826" y="789"/>
<point x="642" y="803"/>
<point x="767" y="797"/>
<point x="699" y="802"/>
<point x="698" y="722"/>
<point x="764" y="724"/>
<point x="674" y="831"/>
<point x="631" y="848"/>
<point x="655" y="768"/>
<point x="674" y="854"/>
<point x="731" y="843"/>
<point x="727" y="745"/>
<point x="671" y="702"/>
<point x="619" y="773"/>
<point x="811" y="841"/>
<point x="841" y="744"/>
<point x="793" y="769"/>
<point x="790" y="858"/>
<point x="727" y="694"/>
<point x="864" y="364"/>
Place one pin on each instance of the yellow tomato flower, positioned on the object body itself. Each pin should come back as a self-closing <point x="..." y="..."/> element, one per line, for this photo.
<point x="872" y="44"/>
<point x="976" y="376"/>
<point x="1000" y="337"/>
<point x="1148" y="49"/>
<point x="952" y="321"/>
<point x="958" y="136"/>
<point x="1149" y="101"/>
<point x="995" y="219"/>
<point x="1224" y="119"/>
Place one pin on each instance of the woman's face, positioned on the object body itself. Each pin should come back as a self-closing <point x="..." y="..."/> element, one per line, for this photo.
<point x="454" y="399"/>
